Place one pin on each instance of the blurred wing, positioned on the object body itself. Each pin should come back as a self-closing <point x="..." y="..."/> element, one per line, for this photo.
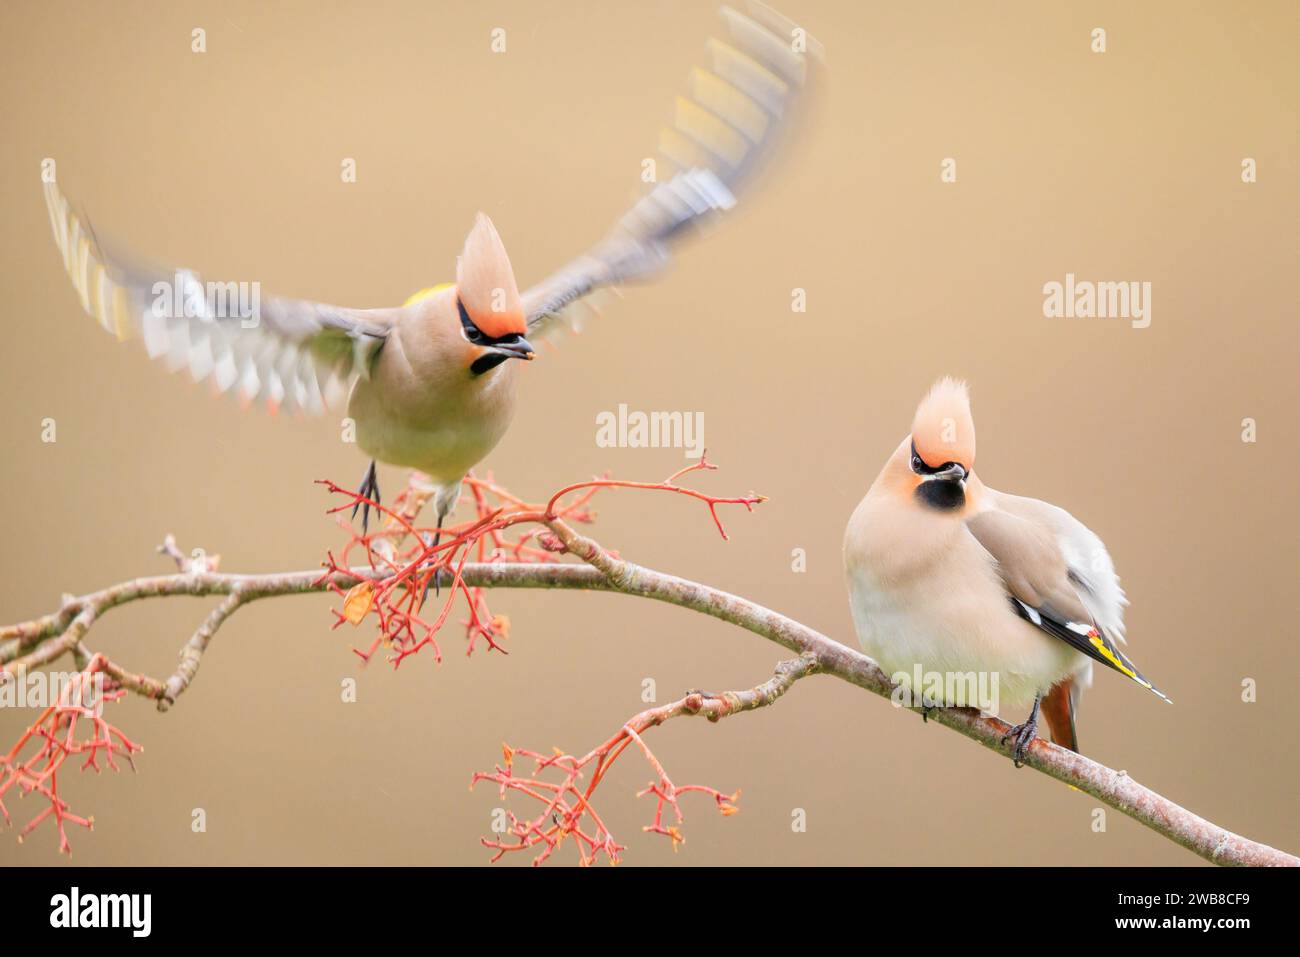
<point x="1041" y="587"/>
<point x="287" y="353"/>
<point x="738" y="111"/>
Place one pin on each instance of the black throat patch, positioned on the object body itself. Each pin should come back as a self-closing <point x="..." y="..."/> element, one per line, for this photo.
<point x="489" y="361"/>
<point x="486" y="363"/>
<point x="942" y="495"/>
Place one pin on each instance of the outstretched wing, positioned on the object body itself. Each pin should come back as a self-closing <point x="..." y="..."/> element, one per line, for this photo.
<point x="287" y="353"/>
<point x="1041" y="587"/>
<point x="738" y="111"/>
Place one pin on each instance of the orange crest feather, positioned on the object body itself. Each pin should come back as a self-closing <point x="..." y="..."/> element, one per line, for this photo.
<point x="486" y="282"/>
<point x="943" y="430"/>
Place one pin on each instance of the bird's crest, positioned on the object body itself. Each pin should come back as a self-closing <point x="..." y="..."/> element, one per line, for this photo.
<point x="486" y="284"/>
<point x="943" y="430"/>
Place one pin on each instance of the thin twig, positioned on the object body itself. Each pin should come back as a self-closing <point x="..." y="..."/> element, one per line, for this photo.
<point x="567" y="812"/>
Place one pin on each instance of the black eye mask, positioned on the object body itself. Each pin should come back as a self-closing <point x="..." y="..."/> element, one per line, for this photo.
<point x="919" y="466"/>
<point x="472" y="332"/>
<point x="478" y="337"/>
<point x="941" y="494"/>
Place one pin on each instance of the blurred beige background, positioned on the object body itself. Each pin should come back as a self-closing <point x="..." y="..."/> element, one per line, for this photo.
<point x="1121" y="166"/>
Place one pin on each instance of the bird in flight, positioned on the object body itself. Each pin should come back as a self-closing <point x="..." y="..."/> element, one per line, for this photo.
<point x="949" y="577"/>
<point x="431" y="384"/>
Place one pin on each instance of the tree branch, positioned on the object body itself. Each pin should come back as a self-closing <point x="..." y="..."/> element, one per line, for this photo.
<point x="1114" y="788"/>
<point x="43" y="640"/>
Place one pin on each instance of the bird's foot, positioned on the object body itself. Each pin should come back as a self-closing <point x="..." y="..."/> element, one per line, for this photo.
<point x="928" y="705"/>
<point x="369" y="490"/>
<point x="434" y="582"/>
<point x="1023" y="735"/>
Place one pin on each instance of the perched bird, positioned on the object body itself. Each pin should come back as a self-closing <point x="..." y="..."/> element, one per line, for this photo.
<point x="431" y="383"/>
<point x="949" y="577"/>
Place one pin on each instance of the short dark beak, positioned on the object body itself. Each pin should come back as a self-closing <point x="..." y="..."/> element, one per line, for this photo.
<point x="952" y="472"/>
<point x="514" y="346"/>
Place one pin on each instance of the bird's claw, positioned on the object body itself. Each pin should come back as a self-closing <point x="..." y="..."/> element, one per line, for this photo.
<point x="1024" y="735"/>
<point x="928" y="705"/>
<point x="434" y="582"/>
<point x="435" y="579"/>
<point x="369" y="491"/>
